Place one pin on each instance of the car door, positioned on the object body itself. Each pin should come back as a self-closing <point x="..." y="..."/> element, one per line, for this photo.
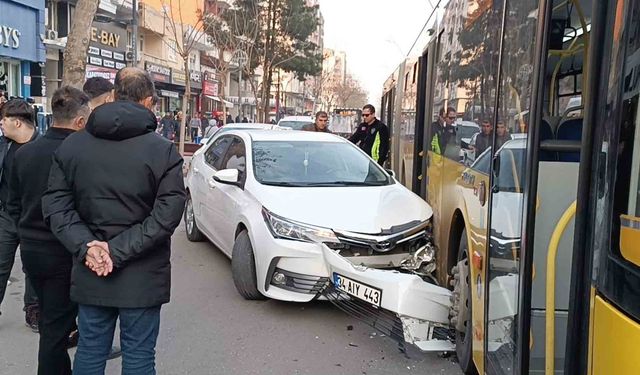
<point x="232" y="199"/>
<point x="209" y="196"/>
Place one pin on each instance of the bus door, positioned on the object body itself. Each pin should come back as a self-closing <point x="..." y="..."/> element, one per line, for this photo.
<point x="534" y="182"/>
<point x="606" y="287"/>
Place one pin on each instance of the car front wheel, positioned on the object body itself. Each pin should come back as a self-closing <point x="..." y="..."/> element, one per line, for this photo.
<point x="193" y="233"/>
<point x="462" y="308"/>
<point x="243" y="268"/>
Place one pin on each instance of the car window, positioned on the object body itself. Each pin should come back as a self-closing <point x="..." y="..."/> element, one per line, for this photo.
<point x="235" y="158"/>
<point x="215" y="152"/>
<point x="510" y="178"/>
<point x="483" y="162"/>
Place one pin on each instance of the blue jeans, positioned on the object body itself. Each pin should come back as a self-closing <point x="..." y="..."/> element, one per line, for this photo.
<point x="138" y="334"/>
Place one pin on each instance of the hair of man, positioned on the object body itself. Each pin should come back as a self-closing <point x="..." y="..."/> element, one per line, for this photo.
<point x="133" y="84"/>
<point x="19" y="108"/>
<point x="321" y="114"/>
<point x="67" y="104"/>
<point x="370" y="107"/>
<point x="97" y="86"/>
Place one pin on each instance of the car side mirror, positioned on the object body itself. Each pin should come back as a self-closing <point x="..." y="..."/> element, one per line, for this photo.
<point x="227" y="176"/>
<point x="391" y="172"/>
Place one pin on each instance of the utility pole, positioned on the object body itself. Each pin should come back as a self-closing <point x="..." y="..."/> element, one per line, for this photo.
<point x="134" y="31"/>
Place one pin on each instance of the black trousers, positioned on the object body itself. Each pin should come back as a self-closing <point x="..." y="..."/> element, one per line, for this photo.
<point x="8" y="246"/>
<point x="51" y="279"/>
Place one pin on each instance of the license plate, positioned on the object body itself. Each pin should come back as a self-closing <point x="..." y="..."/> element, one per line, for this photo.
<point x="359" y="290"/>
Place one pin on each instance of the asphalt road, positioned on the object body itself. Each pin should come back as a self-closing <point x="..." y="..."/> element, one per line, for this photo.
<point x="209" y="329"/>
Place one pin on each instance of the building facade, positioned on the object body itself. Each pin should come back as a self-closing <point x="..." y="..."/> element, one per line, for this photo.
<point x="21" y="49"/>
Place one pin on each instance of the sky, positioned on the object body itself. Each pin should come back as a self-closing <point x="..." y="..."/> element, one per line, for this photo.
<point x="375" y="34"/>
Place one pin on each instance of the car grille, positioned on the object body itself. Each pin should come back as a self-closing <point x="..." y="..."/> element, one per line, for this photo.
<point x="384" y="321"/>
<point x="296" y="282"/>
<point x="357" y="244"/>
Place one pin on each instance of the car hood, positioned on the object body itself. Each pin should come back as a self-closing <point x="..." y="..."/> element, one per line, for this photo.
<point x="370" y="209"/>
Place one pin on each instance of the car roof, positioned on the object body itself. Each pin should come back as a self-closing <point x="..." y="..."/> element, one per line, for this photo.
<point x="297" y="118"/>
<point x="468" y="123"/>
<point x="284" y="135"/>
<point x="248" y="125"/>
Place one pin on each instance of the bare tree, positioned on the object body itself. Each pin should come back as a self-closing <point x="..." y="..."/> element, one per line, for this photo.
<point x="185" y="36"/>
<point x="233" y="32"/>
<point x="75" y="53"/>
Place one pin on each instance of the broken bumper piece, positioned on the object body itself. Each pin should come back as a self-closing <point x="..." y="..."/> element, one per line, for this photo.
<point x="399" y="305"/>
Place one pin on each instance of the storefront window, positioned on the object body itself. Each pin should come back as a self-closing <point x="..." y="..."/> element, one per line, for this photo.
<point x="10" y="78"/>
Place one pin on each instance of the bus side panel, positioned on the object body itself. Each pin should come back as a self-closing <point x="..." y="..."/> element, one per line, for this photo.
<point x="615" y="341"/>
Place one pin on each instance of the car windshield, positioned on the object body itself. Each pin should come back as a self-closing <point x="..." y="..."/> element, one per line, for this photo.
<point x="295" y="125"/>
<point x="300" y="163"/>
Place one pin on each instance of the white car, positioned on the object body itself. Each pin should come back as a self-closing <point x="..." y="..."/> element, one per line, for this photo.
<point x="275" y="201"/>
<point x="296" y="122"/>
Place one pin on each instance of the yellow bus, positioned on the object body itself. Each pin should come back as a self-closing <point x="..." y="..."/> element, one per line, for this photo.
<point x="538" y="234"/>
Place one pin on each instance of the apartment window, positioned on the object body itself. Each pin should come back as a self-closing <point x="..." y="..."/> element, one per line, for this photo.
<point x="171" y="51"/>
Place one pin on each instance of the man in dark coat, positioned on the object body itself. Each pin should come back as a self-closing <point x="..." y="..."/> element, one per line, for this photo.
<point x="114" y="198"/>
<point x="45" y="259"/>
<point x="18" y="128"/>
<point x="372" y="135"/>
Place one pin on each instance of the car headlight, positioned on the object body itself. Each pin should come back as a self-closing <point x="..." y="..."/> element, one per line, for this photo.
<point x="291" y="230"/>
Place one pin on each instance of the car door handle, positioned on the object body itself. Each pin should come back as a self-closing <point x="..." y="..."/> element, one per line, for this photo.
<point x="211" y="184"/>
<point x="196" y="170"/>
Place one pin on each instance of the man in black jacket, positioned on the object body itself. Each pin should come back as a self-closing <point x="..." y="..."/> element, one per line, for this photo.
<point x="45" y="259"/>
<point x="114" y="198"/>
<point x="18" y="128"/>
<point x="372" y="135"/>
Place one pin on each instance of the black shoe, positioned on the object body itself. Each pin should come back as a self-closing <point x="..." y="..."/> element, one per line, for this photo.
<point x="114" y="353"/>
<point x="31" y="316"/>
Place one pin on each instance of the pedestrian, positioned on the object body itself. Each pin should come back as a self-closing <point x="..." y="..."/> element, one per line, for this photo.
<point x="237" y="119"/>
<point x="245" y="120"/>
<point x="99" y="90"/>
<point x="46" y="261"/>
<point x="320" y="124"/>
<point x="167" y="124"/>
<point x="443" y="130"/>
<point x="484" y="139"/>
<point x="116" y="214"/>
<point x="372" y="135"/>
<point x="229" y="119"/>
<point x="502" y="134"/>
<point x="18" y="129"/>
<point x="194" y="124"/>
<point x="204" y="123"/>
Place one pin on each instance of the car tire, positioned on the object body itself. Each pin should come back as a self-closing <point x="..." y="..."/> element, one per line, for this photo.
<point x="243" y="268"/>
<point x="190" y="225"/>
<point x="464" y="340"/>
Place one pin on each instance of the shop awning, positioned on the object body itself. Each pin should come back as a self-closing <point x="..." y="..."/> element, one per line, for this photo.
<point x="218" y="99"/>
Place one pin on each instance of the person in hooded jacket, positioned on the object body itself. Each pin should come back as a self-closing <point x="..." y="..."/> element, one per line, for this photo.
<point x="115" y="195"/>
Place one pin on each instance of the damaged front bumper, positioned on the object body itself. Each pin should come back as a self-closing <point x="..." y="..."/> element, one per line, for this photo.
<point x="408" y="309"/>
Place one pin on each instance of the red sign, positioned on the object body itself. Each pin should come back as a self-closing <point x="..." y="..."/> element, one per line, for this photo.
<point x="210" y="88"/>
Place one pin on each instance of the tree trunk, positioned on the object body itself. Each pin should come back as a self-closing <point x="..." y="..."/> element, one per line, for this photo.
<point x="185" y="105"/>
<point x="75" y="53"/>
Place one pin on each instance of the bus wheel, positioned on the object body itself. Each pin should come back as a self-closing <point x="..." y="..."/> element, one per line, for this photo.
<point x="461" y="308"/>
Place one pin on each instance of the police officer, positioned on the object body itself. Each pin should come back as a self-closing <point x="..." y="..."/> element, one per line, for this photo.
<point x="372" y="135"/>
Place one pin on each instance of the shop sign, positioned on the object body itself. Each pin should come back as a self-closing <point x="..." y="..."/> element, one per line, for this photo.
<point x="158" y="73"/>
<point x="210" y="88"/>
<point x="179" y="78"/>
<point x="97" y="71"/>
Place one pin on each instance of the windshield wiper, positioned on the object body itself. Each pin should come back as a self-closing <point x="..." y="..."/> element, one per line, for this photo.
<point x="282" y="183"/>
<point x="348" y="183"/>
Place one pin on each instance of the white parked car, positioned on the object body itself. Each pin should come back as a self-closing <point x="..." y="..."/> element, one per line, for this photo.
<point x="296" y="122"/>
<point x="274" y="201"/>
<point x="213" y="130"/>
